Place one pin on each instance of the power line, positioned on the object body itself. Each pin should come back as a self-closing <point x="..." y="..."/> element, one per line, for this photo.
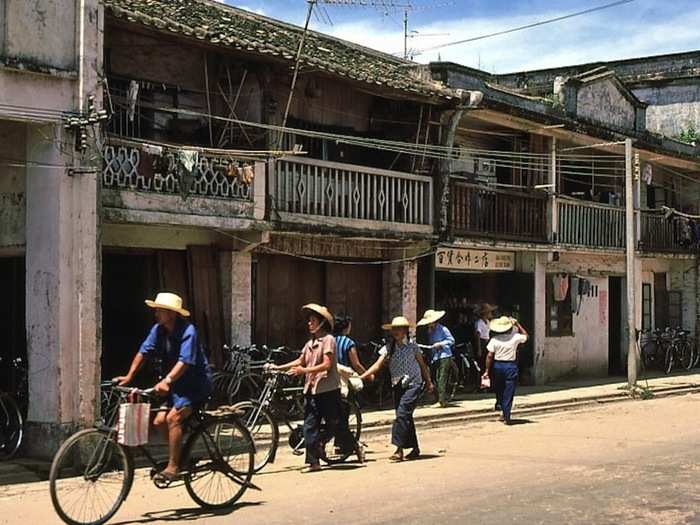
<point x="529" y="26"/>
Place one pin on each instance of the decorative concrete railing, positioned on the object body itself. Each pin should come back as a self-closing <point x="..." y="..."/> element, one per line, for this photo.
<point x="490" y="212"/>
<point x="132" y="168"/>
<point x="314" y="188"/>
<point x="590" y="224"/>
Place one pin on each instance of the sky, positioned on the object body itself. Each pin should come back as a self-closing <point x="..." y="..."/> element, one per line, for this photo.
<point x="640" y="28"/>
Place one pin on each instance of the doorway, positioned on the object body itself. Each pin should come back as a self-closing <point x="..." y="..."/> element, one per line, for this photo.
<point x="615" y="323"/>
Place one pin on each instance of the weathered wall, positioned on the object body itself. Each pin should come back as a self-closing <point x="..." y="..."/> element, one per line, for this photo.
<point x="400" y="290"/>
<point x="603" y="102"/>
<point x="40" y="32"/>
<point x="673" y="108"/>
<point x="12" y="184"/>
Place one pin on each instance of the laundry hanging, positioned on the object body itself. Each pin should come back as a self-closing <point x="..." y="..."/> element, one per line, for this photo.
<point x="560" y="285"/>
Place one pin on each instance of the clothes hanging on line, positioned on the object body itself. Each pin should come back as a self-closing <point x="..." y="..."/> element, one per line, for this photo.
<point x="560" y="283"/>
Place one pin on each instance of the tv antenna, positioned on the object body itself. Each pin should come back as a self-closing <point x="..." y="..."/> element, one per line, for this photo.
<point x="387" y="6"/>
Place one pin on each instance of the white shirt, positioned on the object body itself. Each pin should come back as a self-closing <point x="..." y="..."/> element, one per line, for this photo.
<point x="505" y="346"/>
<point x="482" y="328"/>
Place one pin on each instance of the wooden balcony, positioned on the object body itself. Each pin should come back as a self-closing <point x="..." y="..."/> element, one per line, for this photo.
<point x="487" y="212"/>
<point x="658" y="234"/>
<point x="590" y="224"/>
<point x="140" y="186"/>
<point x="317" y="192"/>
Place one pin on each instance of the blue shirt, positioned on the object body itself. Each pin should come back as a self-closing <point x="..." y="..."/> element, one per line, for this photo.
<point x="403" y="362"/>
<point x="343" y="344"/>
<point x="443" y="337"/>
<point x="182" y="345"/>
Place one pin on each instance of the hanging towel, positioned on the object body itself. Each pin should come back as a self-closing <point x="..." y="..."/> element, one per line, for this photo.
<point x="131" y="98"/>
<point x="187" y="163"/>
<point x="560" y="284"/>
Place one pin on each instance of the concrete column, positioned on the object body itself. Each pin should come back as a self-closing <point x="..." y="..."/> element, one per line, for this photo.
<point x="62" y="292"/>
<point x="540" y="328"/>
<point x="237" y="286"/>
<point x="400" y="291"/>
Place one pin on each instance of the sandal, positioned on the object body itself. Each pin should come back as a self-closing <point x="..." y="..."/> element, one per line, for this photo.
<point x="414" y="454"/>
<point x="310" y="469"/>
<point x="396" y="458"/>
<point x="164" y="478"/>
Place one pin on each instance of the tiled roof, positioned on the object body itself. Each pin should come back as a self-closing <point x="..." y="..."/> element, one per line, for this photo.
<point x="239" y="29"/>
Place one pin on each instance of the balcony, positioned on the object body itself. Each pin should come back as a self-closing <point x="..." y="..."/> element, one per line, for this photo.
<point x="332" y="194"/>
<point x="142" y="186"/>
<point x="590" y="224"/>
<point x="487" y="212"/>
<point x="659" y="234"/>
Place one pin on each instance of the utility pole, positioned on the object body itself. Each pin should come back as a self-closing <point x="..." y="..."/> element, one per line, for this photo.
<point x="405" y="34"/>
<point x="632" y="356"/>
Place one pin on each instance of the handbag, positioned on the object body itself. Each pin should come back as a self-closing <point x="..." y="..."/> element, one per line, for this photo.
<point x="133" y="423"/>
<point x="485" y="382"/>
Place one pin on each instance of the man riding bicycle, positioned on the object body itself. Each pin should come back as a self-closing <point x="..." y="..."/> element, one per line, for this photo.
<point x="187" y="384"/>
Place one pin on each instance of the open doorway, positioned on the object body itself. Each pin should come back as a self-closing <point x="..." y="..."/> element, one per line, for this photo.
<point x="615" y="325"/>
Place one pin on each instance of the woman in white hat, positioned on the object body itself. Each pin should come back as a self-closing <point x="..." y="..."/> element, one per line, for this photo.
<point x="502" y="353"/>
<point x="318" y="362"/>
<point x="187" y="385"/>
<point x="441" y="343"/>
<point x="409" y="374"/>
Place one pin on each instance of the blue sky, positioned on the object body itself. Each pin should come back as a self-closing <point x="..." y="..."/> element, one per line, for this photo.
<point x="643" y="27"/>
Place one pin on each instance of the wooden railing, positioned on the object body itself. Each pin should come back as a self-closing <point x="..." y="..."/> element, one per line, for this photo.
<point x="483" y="211"/>
<point x="590" y="224"/>
<point x="658" y="234"/>
<point x="310" y="187"/>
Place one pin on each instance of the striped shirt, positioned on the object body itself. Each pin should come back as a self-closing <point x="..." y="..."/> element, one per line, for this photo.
<point x="343" y="344"/>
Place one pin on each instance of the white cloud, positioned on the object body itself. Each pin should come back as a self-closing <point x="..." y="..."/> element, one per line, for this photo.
<point x="603" y="36"/>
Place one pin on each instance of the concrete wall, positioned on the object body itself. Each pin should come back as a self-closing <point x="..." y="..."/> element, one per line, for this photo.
<point x="40" y="32"/>
<point x="603" y="102"/>
<point x="400" y="291"/>
<point x="13" y="137"/>
<point x="673" y="108"/>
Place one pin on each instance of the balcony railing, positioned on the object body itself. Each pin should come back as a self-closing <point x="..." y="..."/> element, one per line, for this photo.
<point x="130" y="168"/>
<point x="590" y="224"/>
<point x="482" y="211"/>
<point x="370" y="196"/>
<point x="659" y="234"/>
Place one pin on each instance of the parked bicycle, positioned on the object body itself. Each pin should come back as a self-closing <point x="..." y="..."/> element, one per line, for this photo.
<point x="12" y="411"/>
<point x="668" y="349"/>
<point x="468" y="368"/>
<point x="92" y="473"/>
<point x="279" y="401"/>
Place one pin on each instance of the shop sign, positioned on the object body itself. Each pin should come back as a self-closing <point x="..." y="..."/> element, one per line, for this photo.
<point x="459" y="259"/>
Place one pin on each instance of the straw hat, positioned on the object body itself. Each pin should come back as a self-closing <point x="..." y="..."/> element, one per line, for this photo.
<point x="320" y="310"/>
<point x="168" y="301"/>
<point x="397" y="322"/>
<point x="431" y="316"/>
<point x="501" y="325"/>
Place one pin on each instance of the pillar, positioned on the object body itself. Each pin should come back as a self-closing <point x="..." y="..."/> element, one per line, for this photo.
<point x="237" y="286"/>
<point x="62" y="292"/>
<point x="400" y="290"/>
<point x="540" y="310"/>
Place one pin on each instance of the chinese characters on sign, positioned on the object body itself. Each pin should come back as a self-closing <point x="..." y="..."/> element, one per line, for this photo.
<point x="457" y="259"/>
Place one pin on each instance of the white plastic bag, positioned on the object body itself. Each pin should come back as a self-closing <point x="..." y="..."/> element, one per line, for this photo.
<point x="132" y="427"/>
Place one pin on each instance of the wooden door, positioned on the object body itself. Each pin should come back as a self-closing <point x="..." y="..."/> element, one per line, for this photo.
<point x="661" y="309"/>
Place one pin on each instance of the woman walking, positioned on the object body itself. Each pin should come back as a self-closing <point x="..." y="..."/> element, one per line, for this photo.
<point x="319" y="364"/>
<point x="502" y="353"/>
<point x="409" y="374"/>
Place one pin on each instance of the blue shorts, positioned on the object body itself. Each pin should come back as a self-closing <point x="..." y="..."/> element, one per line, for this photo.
<point x="178" y="401"/>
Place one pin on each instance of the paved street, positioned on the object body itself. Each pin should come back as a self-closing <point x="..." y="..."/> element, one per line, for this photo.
<point x="626" y="463"/>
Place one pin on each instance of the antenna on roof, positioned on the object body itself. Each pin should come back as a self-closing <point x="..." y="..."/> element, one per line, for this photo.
<point x="387" y="6"/>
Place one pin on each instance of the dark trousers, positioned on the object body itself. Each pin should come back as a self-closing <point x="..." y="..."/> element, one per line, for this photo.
<point x="442" y="372"/>
<point x="321" y="411"/>
<point x="344" y="439"/>
<point x="505" y="379"/>
<point x="403" y="431"/>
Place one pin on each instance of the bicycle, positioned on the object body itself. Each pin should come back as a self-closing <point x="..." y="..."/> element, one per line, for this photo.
<point x="653" y="348"/>
<point x="261" y="418"/>
<point x="218" y="459"/>
<point x="12" y="415"/>
<point x="678" y="351"/>
<point x="469" y="371"/>
<point x="452" y="372"/>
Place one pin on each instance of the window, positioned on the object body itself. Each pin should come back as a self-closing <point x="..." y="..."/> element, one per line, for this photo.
<point x="646" y="307"/>
<point x="675" y="309"/>
<point x="559" y="315"/>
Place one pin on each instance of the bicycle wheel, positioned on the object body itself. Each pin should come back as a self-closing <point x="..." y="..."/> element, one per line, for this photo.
<point x="11" y="427"/>
<point x="669" y="359"/>
<point x="263" y="429"/>
<point x="220" y="459"/>
<point x="91" y="475"/>
<point x="648" y="354"/>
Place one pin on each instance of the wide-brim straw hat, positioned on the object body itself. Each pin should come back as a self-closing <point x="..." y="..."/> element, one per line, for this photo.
<point x="168" y="301"/>
<point x="320" y="310"/>
<point x="501" y="325"/>
<point x="431" y="316"/>
<point x="397" y="322"/>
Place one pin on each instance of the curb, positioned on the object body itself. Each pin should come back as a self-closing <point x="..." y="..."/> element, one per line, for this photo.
<point x="451" y="419"/>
